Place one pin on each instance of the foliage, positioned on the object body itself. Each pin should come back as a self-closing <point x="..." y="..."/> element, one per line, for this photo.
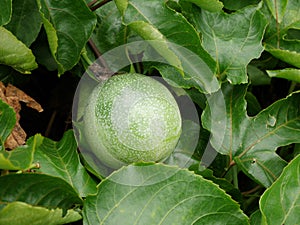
<point x="239" y="61"/>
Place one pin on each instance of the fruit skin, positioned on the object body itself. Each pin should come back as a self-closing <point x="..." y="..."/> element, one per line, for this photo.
<point x="131" y="118"/>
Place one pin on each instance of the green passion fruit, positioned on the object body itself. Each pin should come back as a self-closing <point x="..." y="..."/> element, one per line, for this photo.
<point x="131" y="118"/>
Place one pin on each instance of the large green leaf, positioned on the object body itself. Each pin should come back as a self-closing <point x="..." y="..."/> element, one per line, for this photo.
<point x="109" y="32"/>
<point x="62" y="160"/>
<point x="69" y="25"/>
<point x="14" y="53"/>
<point x="173" y="37"/>
<point x="5" y="15"/>
<point x="38" y="190"/>
<point x="26" y="21"/>
<point x="149" y="194"/>
<point x="284" y="20"/>
<point x="233" y="40"/>
<point x="7" y="122"/>
<point x="21" y="158"/>
<point x="252" y="141"/>
<point x="25" y="214"/>
<point x="280" y="204"/>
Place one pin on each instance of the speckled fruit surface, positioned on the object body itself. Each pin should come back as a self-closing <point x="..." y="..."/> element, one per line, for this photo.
<point x="131" y="118"/>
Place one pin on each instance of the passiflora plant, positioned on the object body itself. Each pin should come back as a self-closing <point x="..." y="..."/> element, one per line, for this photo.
<point x="185" y="112"/>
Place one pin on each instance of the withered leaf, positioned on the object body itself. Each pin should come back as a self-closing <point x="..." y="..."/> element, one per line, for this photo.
<point x="12" y="91"/>
<point x="13" y="96"/>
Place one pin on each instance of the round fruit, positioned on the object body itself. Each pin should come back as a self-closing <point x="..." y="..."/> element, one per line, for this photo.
<point x="131" y="118"/>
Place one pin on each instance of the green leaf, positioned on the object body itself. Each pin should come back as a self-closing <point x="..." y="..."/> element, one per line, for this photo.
<point x="209" y="5"/>
<point x="290" y="56"/>
<point x="7" y="122"/>
<point x="26" y="21"/>
<point x="25" y="214"/>
<point x="6" y="8"/>
<point x="14" y="53"/>
<point x="280" y="203"/>
<point x="284" y="19"/>
<point x="236" y="5"/>
<point x="255" y="218"/>
<point x="288" y="73"/>
<point x="233" y="45"/>
<point x="109" y="32"/>
<point x="38" y="190"/>
<point x="257" y="76"/>
<point x="69" y="25"/>
<point x="296" y="150"/>
<point x="253" y="106"/>
<point x="222" y="182"/>
<point x="173" y="37"/>
<point x="21" y="158"/>
<point x="61" y="159"/>
<point x="149" y="32"/>
<point x="252" y="141"/>
<point x="277" y="8"/>
<point x="41" y="50"/>
<point x="159" y="194"/>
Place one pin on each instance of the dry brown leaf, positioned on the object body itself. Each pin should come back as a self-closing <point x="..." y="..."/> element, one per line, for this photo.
<point x="12" y="91"/>
<point x="13" y="96"/>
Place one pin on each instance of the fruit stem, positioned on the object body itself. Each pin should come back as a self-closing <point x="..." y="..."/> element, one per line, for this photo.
<point x="86" y="58"/>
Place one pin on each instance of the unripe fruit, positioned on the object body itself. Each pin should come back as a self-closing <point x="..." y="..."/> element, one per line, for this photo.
<point x="131" y="118"/>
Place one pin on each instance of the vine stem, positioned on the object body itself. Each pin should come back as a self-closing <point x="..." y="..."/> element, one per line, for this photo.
<point x="93" y="6"/>
<point x="253" y="190"/>
<point x="92" y="3"/>
<point x="94" y="48"/>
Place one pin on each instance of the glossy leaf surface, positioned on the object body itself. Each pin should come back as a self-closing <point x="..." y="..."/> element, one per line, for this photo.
<point x="252" y="141"/>
<point x="280" y="204"/>
<point x="159" y="194"/>
<point x="26" y="21"/>
<point x="176" y="40"/>
<point x="53" y="192"/>
<point x="34" y="215"/>
<point x="209" y="5"/>
<point x="109" y="32"/>
<point x="282" y="34"/>
<point x="69" y="25"/>
<point x="20" y="158"/>
<point x="14" y="53"/>
<point x="61" y="159"/>
<point x="233" y="44"/>
<point x="5" y="14"/>
<point x="288" y="73"/>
